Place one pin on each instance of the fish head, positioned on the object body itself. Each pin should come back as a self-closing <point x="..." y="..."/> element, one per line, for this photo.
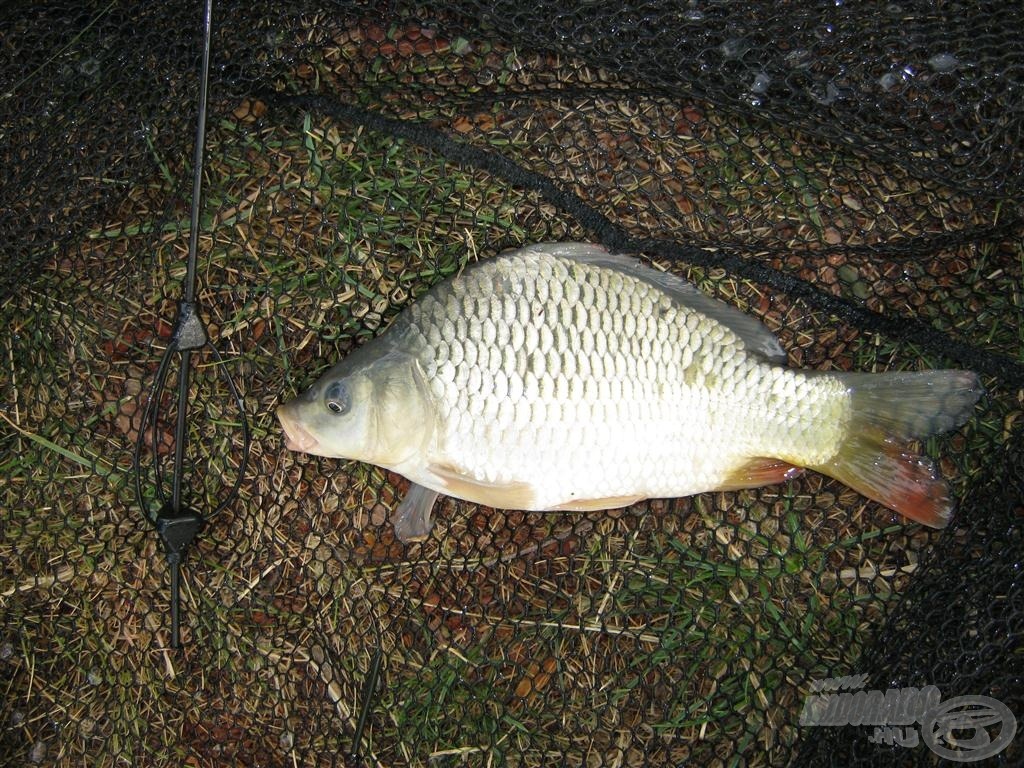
<point x="376" y="412"/>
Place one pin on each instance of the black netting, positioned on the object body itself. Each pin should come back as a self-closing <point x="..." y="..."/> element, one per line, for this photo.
<point x="850" y="174"/>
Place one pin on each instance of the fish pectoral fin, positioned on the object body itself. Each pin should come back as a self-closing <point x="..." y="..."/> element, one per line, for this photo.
<point x="456" y="483"/>
<point x="411" y="518"/>
<point x="593" y="505"/>
<point x="759" y="471"/>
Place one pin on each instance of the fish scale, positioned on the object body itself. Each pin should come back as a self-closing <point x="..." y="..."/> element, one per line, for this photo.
<point x="607" y="417"/>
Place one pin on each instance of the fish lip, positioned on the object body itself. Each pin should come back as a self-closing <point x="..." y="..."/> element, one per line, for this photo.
<point x="296" y="437"/>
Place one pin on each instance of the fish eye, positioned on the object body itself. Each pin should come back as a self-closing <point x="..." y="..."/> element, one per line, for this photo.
<point x="336" y="398"/>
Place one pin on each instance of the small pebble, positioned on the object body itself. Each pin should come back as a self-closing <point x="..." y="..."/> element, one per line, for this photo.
<point x="943" y="62"/>
<point x="852" y="203"/>
<point x="848" y="274"/>
<point x="89" y="67"/>
<point x="761" y="82"/>
<point x="888" y="81"/>
<point x="38" y="752"/>
<point x="824" y="95"/>
<point x="798" y="58"/>
<point x="733" y="48"/>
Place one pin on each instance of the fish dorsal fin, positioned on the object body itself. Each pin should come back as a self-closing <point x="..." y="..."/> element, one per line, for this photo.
<point x="755" y="336"/>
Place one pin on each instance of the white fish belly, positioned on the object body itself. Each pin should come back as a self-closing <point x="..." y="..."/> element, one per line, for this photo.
<point x="578" y="451"/>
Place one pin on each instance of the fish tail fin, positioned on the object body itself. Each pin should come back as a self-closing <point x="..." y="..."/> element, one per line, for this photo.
<point x="888" y="411"/>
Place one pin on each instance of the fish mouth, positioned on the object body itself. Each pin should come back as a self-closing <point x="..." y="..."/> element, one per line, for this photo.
<point x="296" y="437"/>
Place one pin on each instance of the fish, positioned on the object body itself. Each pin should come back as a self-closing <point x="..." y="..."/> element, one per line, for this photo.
<point x="562" y="376"/>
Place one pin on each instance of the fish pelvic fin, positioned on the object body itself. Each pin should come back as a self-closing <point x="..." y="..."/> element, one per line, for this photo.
<point x="888" y="411"/>
<point x="411" y="518"/>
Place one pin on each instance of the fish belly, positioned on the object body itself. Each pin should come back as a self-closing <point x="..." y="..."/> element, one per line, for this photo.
<point x="652" y="439"/>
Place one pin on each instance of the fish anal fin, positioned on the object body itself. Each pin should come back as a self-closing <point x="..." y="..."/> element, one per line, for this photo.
<point x="512" y="495"/>
<point x="892" y="475"/>
<point x="593" y="505"/>
<point x="411" y="518"/>
<point x="759" y="471"/>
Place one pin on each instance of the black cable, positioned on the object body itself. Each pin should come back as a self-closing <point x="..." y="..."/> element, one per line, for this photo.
<point x="617" y="238"/>
<point x="176" y="524"/>
<point x="191" y="278"/>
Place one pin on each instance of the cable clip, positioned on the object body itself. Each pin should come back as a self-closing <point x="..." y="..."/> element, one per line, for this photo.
<point x="177" y="529"/>
<point x="189" y="332"/>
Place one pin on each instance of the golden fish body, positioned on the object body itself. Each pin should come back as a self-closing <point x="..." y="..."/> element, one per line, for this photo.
<point x="560" y="376"/>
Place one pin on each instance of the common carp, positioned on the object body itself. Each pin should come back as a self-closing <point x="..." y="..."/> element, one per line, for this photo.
<point x="564" y="377"/>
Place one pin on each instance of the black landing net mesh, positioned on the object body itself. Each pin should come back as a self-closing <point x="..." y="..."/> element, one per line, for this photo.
<point x="850" y="174"/>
